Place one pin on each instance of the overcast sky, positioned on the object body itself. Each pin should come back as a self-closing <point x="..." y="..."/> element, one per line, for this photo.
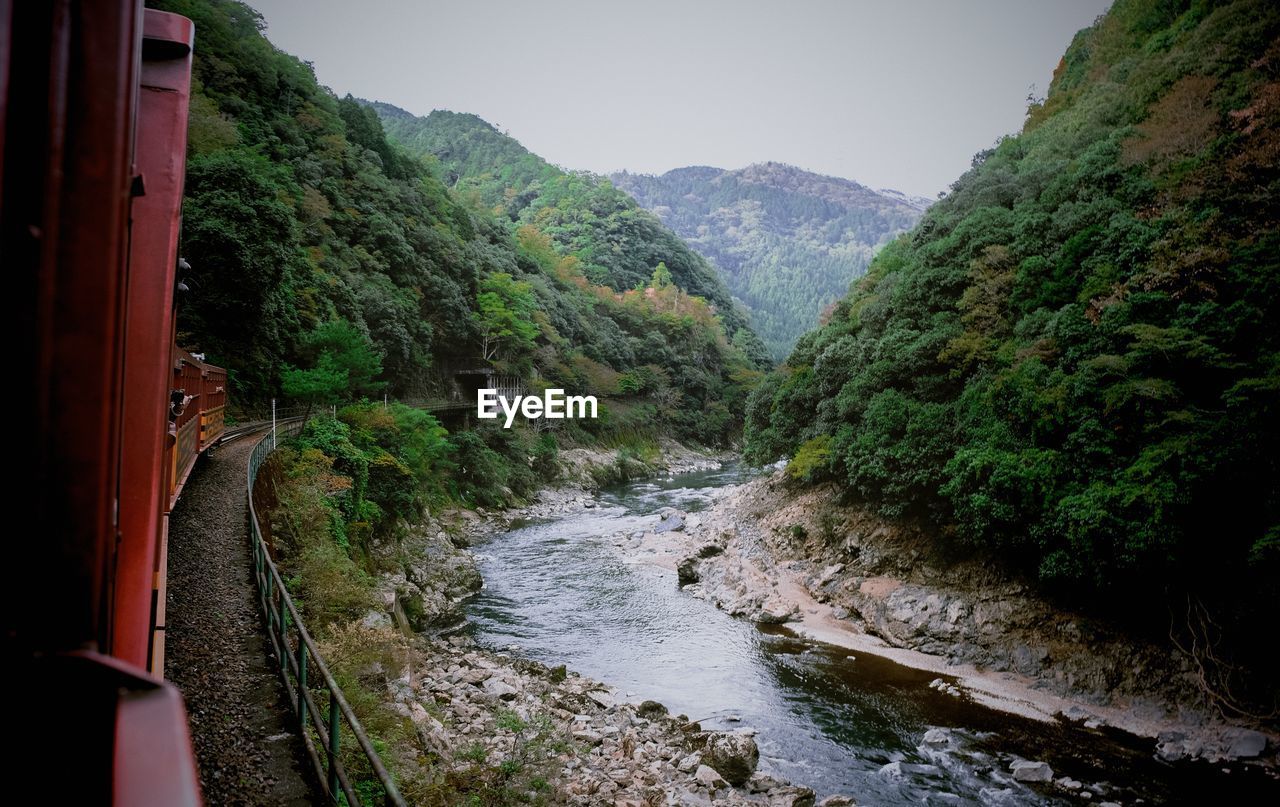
<point x="894" y="94"/>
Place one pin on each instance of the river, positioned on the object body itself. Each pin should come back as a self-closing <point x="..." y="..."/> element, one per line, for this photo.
<point x="562" y="591"/>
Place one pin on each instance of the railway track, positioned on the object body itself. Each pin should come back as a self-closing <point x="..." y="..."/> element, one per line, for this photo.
<point x="253" y="427"/>
<point x="242" y="727"/>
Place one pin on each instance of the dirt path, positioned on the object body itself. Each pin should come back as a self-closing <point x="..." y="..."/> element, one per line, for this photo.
<point x="217" y="654"/>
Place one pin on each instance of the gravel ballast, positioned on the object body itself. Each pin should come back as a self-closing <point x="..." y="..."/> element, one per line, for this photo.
<point x="217" y="652"/>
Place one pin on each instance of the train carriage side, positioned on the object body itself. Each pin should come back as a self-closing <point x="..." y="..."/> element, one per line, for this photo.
<point x="213" y="405"/>
<point x="92" y="132"/>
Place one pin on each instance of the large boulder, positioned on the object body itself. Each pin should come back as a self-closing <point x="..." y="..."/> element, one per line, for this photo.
<point x="670" y="520"/>
<point x="733" y="755"/>
<point x="775" y="610"/>
<point x="651" y="710"/>
<point x="1243" y="743"/>
<point x="1024" y="770"/>
<point x="500" y="689"/>
<point x="937" y="737"/>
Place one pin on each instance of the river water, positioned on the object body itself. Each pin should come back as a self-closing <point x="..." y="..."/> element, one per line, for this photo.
<point x="561" y="591"/>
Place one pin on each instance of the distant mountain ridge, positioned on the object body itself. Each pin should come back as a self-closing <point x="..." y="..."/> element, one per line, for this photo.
<point x="787" y="241"/>
<point x="466" y="146"/>
<point x="616" y="240"/>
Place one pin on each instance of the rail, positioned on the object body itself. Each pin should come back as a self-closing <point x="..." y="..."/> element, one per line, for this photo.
<point x="233" y="433"/>
<point x="300" y="662"/>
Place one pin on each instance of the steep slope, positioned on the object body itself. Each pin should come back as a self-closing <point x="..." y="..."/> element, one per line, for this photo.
<point x="328" y="264"/>
<point x="618" y="243"/>
<point x="1073" y="362"/>
<point x="788" y="242"/>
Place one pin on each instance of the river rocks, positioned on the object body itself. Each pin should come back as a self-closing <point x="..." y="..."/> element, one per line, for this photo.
<point x="474" y="711"/>
<point x="760" y="782"/>
<point x="475" y="677"/>
<point x="791" y="796"/>
<point x="890" y="581"/>
<point x="734" y="755"/>
<point x="1243" y="743"/>
<point x="837" y="801"/>
<point x="500" y="689"/>
<point x="1028" y="771"/>
<point x="775" y="610"/>
<point x="670" y="520"/>
<point x="1172" y="746"/>
<point x="469" y="704"/>
<point x="937" y="737"/>
<point x="1229" y="744"/>
<point x="589" y="469"/>
<point x="708" y="776"/>
<point x="651" y="709"/>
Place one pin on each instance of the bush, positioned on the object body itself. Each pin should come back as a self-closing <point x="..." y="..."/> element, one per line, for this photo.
<point x="812" y="460"/>
<point x="546" y="452"/>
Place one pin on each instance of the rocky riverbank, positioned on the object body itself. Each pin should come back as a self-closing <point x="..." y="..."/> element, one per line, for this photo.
<point x="772" y="554"/>
<point x="518" y="726"/>
<point x="479" y="710"/>
<point x="589" y="469"/>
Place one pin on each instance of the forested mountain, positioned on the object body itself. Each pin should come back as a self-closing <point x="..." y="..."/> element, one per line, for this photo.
<point x="329" y="264"/>
<point x="1073" y="361"/>
<point x="617" y="242"/>
<point x="788" y="242"/>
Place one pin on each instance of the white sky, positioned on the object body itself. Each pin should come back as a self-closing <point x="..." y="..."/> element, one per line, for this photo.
<point x="897" y="93"/>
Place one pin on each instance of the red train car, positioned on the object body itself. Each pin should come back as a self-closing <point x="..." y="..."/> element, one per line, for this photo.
<point x="197" y="404"/>
<point x="93" y="111"/>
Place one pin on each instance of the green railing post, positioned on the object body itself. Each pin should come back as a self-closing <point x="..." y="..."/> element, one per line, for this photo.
<point x="333" y="744"/>
<point x="302" y="685"/>
<point x="271" y="612"/>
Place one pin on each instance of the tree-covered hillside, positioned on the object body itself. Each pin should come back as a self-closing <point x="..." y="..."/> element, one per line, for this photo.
<point x="788" y="242"/>
<point x="328" y="263"/>
<point x="1074" y="359"/>
<point x="617" y="242"/>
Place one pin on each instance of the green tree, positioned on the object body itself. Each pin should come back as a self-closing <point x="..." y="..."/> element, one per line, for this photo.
<point x="349" y="350"/>
<point x="1071" y="362"/>
<point x="505" y="310"/>
<point x="661" y="276"/>
<point x="240" y="235"/>
<point x="321" y="385"/>
<point x="344" y="365"/>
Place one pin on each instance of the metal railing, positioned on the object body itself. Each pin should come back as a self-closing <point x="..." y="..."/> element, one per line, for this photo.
<point x="300" y="663"/>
